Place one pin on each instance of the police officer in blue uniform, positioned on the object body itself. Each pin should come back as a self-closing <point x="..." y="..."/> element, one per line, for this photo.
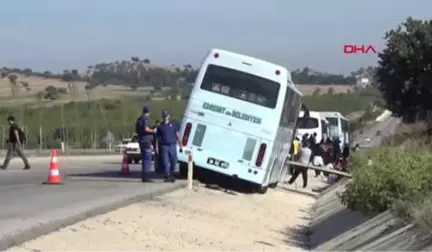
<point x="145" y="133"/>
<point x="168" y="136"/>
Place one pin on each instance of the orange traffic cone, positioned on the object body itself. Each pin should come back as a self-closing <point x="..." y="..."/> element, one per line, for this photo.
<point x="125" y="164"/>
<point x="54" y="177"/>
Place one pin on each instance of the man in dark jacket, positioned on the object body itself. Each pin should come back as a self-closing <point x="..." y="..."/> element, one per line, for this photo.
<point x="15" y="144"/>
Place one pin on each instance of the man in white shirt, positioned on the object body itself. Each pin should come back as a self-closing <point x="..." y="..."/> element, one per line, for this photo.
<point x="304" y="158"/>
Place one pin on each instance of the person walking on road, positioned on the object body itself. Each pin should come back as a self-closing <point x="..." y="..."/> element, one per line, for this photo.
<point x="304" y="158"/>
<point x="15" y="144"/>
<point x="294" y="151"/>
<point x="145" y="134"/>
<point x="167" y="138"/>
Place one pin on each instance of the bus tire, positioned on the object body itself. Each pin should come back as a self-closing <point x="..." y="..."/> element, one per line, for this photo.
<point x="262" y="189"/>
<point x="183" y="169"/>
<point x="273" y="185"/>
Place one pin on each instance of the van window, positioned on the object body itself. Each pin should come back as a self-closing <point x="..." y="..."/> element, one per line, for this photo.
<point x="323" y="127"/>
<point x="345" y="125"/>
<point x="241" y="85"/>
<point x="307" y="123"/>
<point x="333" y="121"/>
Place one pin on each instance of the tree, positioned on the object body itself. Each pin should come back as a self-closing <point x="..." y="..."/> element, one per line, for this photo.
<point x="316" y="92"/>
<point x="330" y="91"/>
<point x="15" y="89"/>
<point x="13" y="79"/>
<point x="404" y="75"/>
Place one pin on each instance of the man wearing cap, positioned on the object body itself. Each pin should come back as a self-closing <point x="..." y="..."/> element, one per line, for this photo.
<point x="145" y="134"/>
<point x="168" y="137"/>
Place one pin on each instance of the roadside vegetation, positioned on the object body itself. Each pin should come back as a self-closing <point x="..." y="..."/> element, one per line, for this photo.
<point x="400" y="175"/>
<point x="99" y="123"/>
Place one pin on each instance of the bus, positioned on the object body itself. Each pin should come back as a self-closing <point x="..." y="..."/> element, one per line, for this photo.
<point x="240" y="119"/>
<point x="339" y="126"/>
<point x="312" y="123"/>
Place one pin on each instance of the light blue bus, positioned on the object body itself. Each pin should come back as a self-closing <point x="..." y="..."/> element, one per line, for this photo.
<point x="240" y="118"/>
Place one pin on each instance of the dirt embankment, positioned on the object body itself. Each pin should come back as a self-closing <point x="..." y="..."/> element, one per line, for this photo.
<point x="203" y="219"/>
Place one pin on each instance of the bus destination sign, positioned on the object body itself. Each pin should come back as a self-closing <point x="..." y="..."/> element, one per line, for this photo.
<point x="233" y="113"/>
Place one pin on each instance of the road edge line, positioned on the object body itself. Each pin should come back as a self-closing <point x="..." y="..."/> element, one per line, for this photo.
<point x="32" y="233"/>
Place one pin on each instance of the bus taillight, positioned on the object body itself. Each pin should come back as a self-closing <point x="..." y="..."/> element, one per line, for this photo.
<point x="186" y="134"/>
<point x="216" y="55"/>
<point x="261" y="154"/>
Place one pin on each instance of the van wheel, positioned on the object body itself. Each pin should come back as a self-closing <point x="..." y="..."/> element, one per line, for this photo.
<point x="129" y="161"/>
<point x="273" y="185"/>
<point x="136" y="161"/>
<point x="183" y="170"/>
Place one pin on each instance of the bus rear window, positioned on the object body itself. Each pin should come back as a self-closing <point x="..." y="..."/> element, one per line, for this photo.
<point x="241" y="85"/>
<point x="307" y="123"/>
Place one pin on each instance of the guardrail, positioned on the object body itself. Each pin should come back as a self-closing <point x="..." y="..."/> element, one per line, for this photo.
<point x="46" y="152"/>
<point x="386" y="114"/>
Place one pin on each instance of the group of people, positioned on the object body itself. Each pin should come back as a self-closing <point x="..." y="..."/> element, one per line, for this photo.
<point x="325" y="153"/>
<point x="162" y="139"/>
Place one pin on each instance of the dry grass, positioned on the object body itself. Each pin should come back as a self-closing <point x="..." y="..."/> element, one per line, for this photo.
<point x="109" y="91"/>
<point x="422" y="214"/>
<point x="38" y="84"/>
<point x="412" y="137"/>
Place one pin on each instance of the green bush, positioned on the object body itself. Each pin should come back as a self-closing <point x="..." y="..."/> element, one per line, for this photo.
<point x="394" y="176"/>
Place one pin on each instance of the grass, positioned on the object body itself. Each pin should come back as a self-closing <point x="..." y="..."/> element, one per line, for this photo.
<point x="417" y="139"/>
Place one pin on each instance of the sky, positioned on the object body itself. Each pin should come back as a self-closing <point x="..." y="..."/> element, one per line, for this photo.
<point x="58" y="34"/>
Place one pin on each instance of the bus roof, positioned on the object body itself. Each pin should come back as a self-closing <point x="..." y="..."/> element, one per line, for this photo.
<point x="333" y="114"/>
<point x="294" y="87"/>
<point x="314" y="114"/>
<point x="244" y="57"/>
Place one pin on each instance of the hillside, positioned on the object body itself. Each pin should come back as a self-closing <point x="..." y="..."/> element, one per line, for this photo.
<point x="132" y="77"/>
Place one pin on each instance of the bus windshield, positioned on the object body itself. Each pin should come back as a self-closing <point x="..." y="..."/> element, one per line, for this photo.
<point x="241" y="85"/>
<point x="307" y="123"/>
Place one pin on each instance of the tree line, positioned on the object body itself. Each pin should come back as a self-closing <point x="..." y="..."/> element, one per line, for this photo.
<point x="136" y="73"/>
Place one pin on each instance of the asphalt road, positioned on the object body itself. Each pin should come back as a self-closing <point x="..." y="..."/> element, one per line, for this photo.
<point x="386" y="127"/>
<point x="92" y="185"/>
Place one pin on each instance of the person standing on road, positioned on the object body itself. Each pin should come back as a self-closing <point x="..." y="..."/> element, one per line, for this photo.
<point x="145" y="134"/>
<point x="15" y="143"/>
<point x="304" y="158"/>
<point x="167" y="137"/>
